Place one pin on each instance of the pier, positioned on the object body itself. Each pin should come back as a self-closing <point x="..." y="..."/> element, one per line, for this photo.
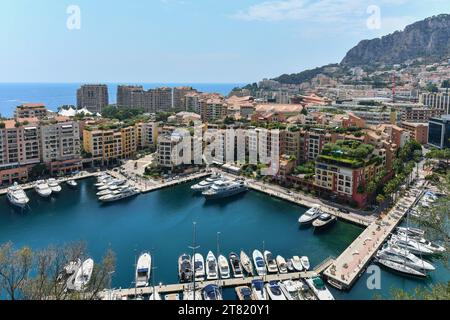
<point x="225" y="283"/>
<point x="348" y="267"/>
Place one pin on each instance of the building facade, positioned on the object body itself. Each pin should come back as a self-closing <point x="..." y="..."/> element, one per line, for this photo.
<point x="93" y="97"/>
<point x="439" y="132"/>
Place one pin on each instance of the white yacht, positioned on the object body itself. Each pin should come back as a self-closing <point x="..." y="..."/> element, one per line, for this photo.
<point x="400" y="267"/>
<point x="206" y="184"/>
<point x="258" y="260"/>
<point x="42" y="189"/>
<point x="403" y="256"/>
<point x="83" y="275"/>
<point x="224" y="268"/>
<point x="212" y="272"/>
<point x="274" y="291"/>
<point x="411" y="232"/>
<point x="292" y="289"/>
<point x="143" y="270"/>
<point x="120" y="195"/>
<point x="297" y="263"/>
<point x="54" y="185"/>
<point x="199" y="267"/>
<point x="412" y="245"/>
<point x="271" y="262"/>
<point x="72" y="183"/>
<point x="282" y="265"/>
<point x="305" y="263"/>
<point x="431" y="246"/>
<point x="246" y="263"/>
<point x="17" y="196"/>
<point x="223" y="189"/>
<point x="310" y="215"/>
<point x="212" y="292"/>
<point x="258" y="290"/>
<point x="236" y="266"/>
<point x="320" y="290"/>
<point x="323" y="221"/>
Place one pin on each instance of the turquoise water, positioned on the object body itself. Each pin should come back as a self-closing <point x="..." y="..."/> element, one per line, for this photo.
<point x="162" y="222"/>
<point x="54" y="95"/>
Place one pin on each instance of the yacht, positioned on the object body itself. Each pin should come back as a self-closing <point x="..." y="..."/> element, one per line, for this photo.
<point x="120" y="195"/>
<point x="143" y="270"/>
<point x="290" y="265"/>
<point x="236" y="265"/>
<point x="274" y="291"/>
<point x="271" y="262"/>
<point x="69" y="271"/>
<point x="246" y="263"/>
<point x="72" y="183"/>
<point x="259" y="292"/>
<point x="305" y="263"/>
<point x="258" y="260"/>
<point x="400" y="267"/>
<point x="403" y="256"/>
<point x="307" y="292"/>
<point x="431" y="246"/>
<point x="292" y="289"/>
<point x="54" y="185"/>
<point x="212" y="292"/>
<point x="199" y="265"/>
<point x="318" y="287"/>
<point x="83" y="275"/>
<point x="42" y="189"/>
<point x="411" y="232"/>
<point x="223" y="189"/>
<point x="17" y="196"/>
<point x="244" y="293"/>
<point x="282" y="265"/>
<point x="310" y="215"/>
<point x="324" y="220"/>
<point x="212" y="272"/>
<point x="206" y="184"/>
<point x="185" y="268"/>
<point x="224" y="268"/>
<point x="412" y="245"/>
<point x="297" y="263"/>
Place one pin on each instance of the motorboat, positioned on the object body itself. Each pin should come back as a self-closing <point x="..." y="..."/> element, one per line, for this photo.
<point x="206" y="184"/>
<point x="324" y="220"/>
<point x="185" y="268"/>
<point x="54" y="185"/>
<point x="290" y="265"/>
<point x="306" y="292"/>
<point x="400" y="267"/>
<point x="246" y="263"/>
<point x="199" y="265"/>
<point x="224" y="268"/>
<point x="43" y="189"/>
<point x="17" y="196"/>
<point x="258" y="260"/>
<point x="305" y="263"/>
<point x="310" y="215"/>
<point x="399" y="255"/>
<point x="270" y="262"/>
<point x="72" y="183"/>
<point x="212" y="272"/>
<point x="83" y="275"/>
<point x="223" y="189"/>
<point x="282" y="265"/>
<point x="143" y="270"/>
<point x="297" y="263"/>
<point x="319" y="288"/>
<point x="244" y="293"/>
<point x="258" y="290"/>
<point x="236" y="265"/>
<point x="292" y="289"/>
<point x="212" y="292"/>
<point x="274" y="291"/>
<point x="411" y="245"/>
<point x="120" y="195"/>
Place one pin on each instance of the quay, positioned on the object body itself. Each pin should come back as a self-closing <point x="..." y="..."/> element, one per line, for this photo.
<point x="348" y="267"/>
<point x="232" y="282"/>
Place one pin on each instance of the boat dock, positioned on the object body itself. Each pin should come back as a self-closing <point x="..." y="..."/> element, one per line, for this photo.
<point x="348" y="267"/>
<point x="232" y="282"/>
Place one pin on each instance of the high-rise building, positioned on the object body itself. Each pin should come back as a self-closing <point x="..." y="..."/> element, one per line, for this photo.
<point x="439" y="132"/>
<point x="439" y="101"/>
<point x="129" y="96"/>
<point x="179" y="94"/>
<point x="93" y="97"/>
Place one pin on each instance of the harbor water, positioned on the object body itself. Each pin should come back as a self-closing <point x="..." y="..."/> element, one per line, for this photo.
<point x="161" y="222"/>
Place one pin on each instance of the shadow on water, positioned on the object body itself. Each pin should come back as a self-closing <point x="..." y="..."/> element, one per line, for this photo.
<point x="223" y="202"/>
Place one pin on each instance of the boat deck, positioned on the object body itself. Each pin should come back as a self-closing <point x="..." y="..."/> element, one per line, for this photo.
<point x="233" y="282"/>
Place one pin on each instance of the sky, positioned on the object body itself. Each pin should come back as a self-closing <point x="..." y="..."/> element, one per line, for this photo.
<point x="189" y="41"/>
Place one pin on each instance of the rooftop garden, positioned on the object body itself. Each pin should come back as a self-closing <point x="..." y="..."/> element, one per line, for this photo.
<point x="349" y="153"/>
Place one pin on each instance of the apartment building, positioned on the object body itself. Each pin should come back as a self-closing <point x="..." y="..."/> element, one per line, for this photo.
<point x="60" y="146"/>
<point x="440" y="101"/>
<point x="179" y="97"/>
<point x="31" y="110"/>
<point x="146" y="135"/>
<point x="93" y="97"/>
<point x="417" y="131"/>
<point x="213" y="109"/>
<point x="153" y="100"/>
<point x="419" y="114"/>
<point x="313" y="141"/>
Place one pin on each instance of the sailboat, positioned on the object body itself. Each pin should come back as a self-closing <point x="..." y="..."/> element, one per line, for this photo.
<point x="246" y="263"/>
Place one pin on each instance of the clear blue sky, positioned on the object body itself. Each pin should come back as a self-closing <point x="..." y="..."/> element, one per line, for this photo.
<point x="187" y="40"/>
